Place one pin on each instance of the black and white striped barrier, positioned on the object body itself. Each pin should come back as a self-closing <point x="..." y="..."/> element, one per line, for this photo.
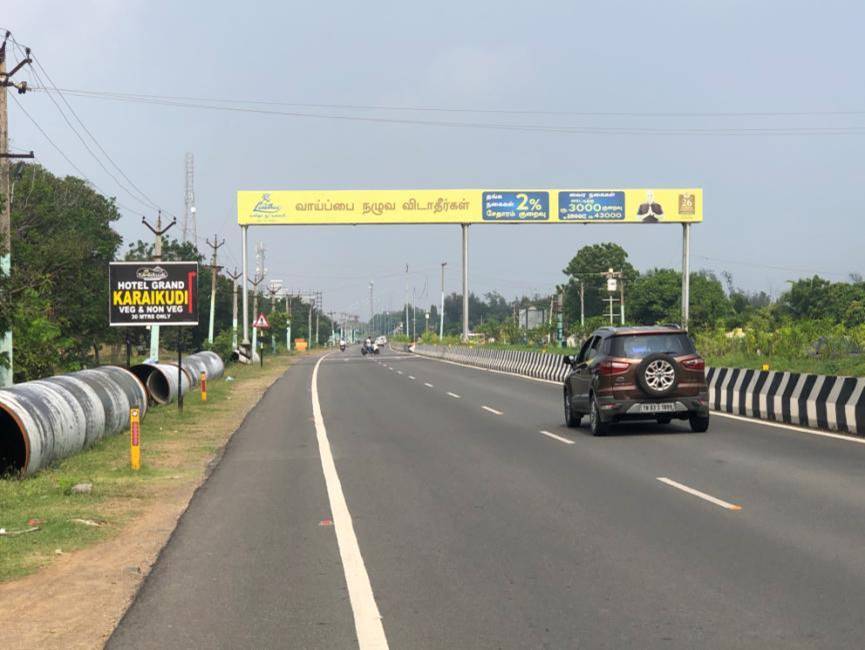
<point x="816" y="401"/>
<point x="541" y="365"/>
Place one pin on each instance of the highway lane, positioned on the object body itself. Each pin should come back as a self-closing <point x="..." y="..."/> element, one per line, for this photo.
<point x="477" y="530"/>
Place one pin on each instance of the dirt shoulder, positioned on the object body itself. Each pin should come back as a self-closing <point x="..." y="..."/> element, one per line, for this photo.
<point x="86" y="575"/>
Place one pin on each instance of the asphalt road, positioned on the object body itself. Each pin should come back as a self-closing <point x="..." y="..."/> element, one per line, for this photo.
<point x="476" y="530"/>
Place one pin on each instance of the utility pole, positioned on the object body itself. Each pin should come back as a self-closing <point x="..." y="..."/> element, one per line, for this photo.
<point x="234" y="276"/>
<point x="273" y="288"/>
<point x="371" y="309"/>
<point x="442" y="314"/>
<point x="309" y="324"/>
<point x="5" y="192"/>
<point x="260" y="272"/>
<point x="158" y="231"/>
<point x="582" y="303"/>
<point x="258" y="279"/>
<point x="214" y="269"/>
<point x="413" y="314"/>
<point x="407" y="333"/>
<point x="189" y="201"/>
<point x="465" y="229"/>
<point x="622" y="299"/>
<point x="287" y="322"/>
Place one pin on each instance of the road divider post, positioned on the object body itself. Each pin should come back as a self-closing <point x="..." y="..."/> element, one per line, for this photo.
<point x="203" y="381"/>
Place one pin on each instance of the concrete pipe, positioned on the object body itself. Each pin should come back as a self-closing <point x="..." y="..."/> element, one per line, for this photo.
<point x="160" y="380"/>
<point x="46" y="420"/>
<point x="118" y="390"/>
<point x="193" y="366"/>
<point x="213" y="364"/>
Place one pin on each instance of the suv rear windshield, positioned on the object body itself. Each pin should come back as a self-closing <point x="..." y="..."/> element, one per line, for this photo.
<point x="637" y="346"/>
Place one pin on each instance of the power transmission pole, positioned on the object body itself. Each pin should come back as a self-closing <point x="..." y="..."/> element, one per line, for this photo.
<point x="582" y="303"/>
<point x="371" y="309"/>
<point x="6" y="194"/>
<point x="234" y="276"/>
<point x="407" y="333"/>
<point x="158" y="231"/>
<point x="442" y="314"/>
<point x="309" y="324"/>
<point x="214" y="269"/>
<point x="260" y="272"/>
<point x="189" y="221"/>
<point x="273" y="288"/>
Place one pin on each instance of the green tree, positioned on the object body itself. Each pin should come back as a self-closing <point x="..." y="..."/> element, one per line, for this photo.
<point x="586" y="265"/>
<point x="62" y="241"/>
<point x="656" y="297"/>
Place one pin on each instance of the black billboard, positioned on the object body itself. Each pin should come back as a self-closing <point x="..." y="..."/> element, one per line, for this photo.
<point x="153" y="293"/>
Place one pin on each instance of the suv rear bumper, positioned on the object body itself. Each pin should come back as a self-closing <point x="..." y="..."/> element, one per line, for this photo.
<point x="613" y="409"/>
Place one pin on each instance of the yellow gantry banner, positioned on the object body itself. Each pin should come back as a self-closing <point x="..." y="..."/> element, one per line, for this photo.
<point x="356" y="207"/>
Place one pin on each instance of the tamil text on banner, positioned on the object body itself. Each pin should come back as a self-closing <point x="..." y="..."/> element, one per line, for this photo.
<point x="355" y="207"/>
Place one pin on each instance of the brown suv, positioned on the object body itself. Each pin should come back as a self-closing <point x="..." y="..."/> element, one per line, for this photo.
<point x="636" y="373"/>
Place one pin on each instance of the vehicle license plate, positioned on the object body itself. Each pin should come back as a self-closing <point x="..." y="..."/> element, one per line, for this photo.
<point x="664" y="407"/>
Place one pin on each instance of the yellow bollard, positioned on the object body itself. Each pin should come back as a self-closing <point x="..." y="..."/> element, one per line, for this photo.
<point x="135" y="438"/>
<point x="203" y="380"/>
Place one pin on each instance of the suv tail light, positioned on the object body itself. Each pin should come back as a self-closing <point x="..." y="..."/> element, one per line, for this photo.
<point x="695" y="363"/>
<point x="613" y="367"/>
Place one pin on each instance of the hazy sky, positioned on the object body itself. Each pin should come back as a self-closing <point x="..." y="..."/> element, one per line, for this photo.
<point x="776" y="207"/>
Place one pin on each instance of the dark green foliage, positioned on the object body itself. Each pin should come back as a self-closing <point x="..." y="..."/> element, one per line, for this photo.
<point x="56" y="297"/>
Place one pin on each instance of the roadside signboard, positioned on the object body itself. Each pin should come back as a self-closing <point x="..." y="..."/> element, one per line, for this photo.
<point x="261" y="322"/>
<point x="355" y="207"/>
<point x="152" y="293"/>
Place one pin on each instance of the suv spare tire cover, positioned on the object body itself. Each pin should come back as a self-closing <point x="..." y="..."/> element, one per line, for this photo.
<point x="644" y="384"/>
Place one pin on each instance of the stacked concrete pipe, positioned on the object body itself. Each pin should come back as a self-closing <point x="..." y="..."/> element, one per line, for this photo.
<point x="45" y="420"/>
<point x="160" y="379"/>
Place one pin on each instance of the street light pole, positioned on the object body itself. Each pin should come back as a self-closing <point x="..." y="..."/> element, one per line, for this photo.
<point x="442" y="313"/>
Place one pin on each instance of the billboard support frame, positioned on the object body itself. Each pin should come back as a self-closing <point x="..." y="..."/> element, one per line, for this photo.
<point x="689" y="212"/>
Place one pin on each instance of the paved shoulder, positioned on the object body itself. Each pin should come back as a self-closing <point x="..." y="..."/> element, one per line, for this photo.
<point x="250" y="564"/>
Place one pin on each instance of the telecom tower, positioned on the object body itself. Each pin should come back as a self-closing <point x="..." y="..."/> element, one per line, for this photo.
<point x="190" y="230"/>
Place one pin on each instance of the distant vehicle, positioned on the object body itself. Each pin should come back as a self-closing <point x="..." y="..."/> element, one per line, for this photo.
<point x="381" y="341"/>
<point x="342" y="345"/>
<point x="369" y="347"/>
<point x="636" y="373"/>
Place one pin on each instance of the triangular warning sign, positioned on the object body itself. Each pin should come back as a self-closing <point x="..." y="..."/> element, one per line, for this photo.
<point x="261" y="323"/>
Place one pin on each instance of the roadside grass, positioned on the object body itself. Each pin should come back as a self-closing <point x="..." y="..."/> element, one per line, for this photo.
<point x="174" y="450"/>
<point x="848" y="366"/>
<point x="851" y="365"/>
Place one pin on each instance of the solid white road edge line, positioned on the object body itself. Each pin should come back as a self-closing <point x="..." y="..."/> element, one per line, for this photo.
<point x="453" y="395"/>
<point x="765" y="423"/>
<point x="367" y="619"/>
<point x="491" y="410"/>
<point x="790" y="427"/>
<point x="559" y="438"/>
<point x="697" y="493"/>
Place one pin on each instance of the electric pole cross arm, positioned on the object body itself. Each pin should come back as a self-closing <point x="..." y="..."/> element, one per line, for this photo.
<point x="157" y="231"/>
<point x="214" y="269"/>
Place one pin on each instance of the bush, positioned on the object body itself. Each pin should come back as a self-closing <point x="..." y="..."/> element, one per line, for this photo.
<point x="222" y="345"/>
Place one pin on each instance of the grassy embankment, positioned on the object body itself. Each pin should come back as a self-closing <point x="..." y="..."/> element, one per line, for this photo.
<point x="175" y="449"/>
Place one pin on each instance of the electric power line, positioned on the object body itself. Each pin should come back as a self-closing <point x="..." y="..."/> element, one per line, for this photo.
<point x="444" y="109"/>
<point x="532" y="128"/>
